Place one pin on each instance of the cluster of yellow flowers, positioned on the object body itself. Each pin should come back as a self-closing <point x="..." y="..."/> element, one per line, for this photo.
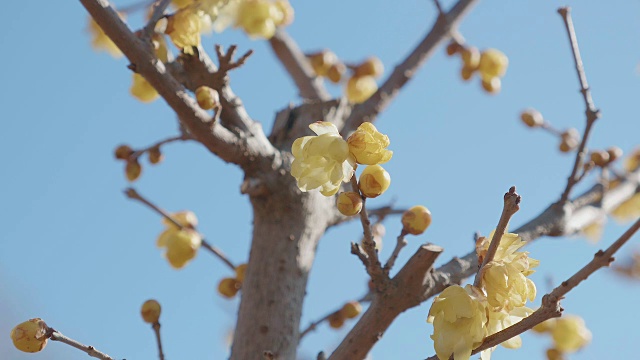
<point x="229" y="286"/>
<point x="490" y="64"/>
<point x="260" y="18"/>
<point x="569" y="335"/>
<point x="463" y="317"/>
<point x="362" y="83"/>
<point x="326" y="160"/>
<point x="181" y="244"/>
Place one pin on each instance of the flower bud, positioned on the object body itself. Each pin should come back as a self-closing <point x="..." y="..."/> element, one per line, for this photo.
<point x="335" y="72"/>
<point x="416" y="220"/>
<point x="240" y="271"/>
<point x="614" y="153"/>
<point x="351" y="309"/>
<point x="123" y="152"/>
<point x="370" y="67"/>
<point x="470" y="57"/>
<point x="492" y="85"/>
<point x="155" y="155"/>
<point x="532" y="118"/>
<point x="453" y="48"/>
<point x="321" y="62"/>
<point x="133" y="170"/>
<point x="600" y="158"/>
<point x="466" y="73"/>
<point x="228" y="287"/>
<point x="374" y="181"/>
<point x="555" y="354"/>
<point x="493" y="63"/>
<point x="29" y="336"/>
<point x="349" y="203"/>
<point x="359" y="89"/>
<point x="336" y="320"/>
<point x="207" y="97"/>
<point x="150" y="311"/>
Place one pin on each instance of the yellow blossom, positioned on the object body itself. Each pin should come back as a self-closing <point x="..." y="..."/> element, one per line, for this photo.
<point x="322" y="161"/>
<point x="416" y="220"/>
<point x="349" y="203"/>
<point x="570" y="334"/>
<point x="182" y="245"/>
<point x="183" y="28"/>
<point x="493" y="64"/>
<point x="29" y="336"/>
<point x="142" y="90"/>
<point x="100" y="40"/>
<point x="632" y="162"/>
<point x="258" y="18"/>
<point x="459" y="317"/>
<point x="369" y="146"/>
<point x="499" y="320"/>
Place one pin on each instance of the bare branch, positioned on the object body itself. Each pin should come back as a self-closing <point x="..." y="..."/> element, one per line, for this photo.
<point x="592" y="113"/>
<point x="297" y="65"/>
<point x="134" y="195"/>
<point x="511" y="206"/>
<point x="440" y="32"/>
<point x="400" y="243"/>
<point x="374" y="268"/>
<point x="54" y="335"/>
<point x="217" y="139"/>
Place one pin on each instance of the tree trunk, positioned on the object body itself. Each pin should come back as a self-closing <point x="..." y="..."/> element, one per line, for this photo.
<point x="287" y="226"/>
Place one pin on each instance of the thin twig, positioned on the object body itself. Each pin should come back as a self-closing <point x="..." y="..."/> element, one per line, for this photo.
<point x="364" y="299"/>
<point x="400" y="243"/>
<point x="158" y="11"/>
<point x="54" y="335"/>
<point x="592" y="113"/>
<point x="133" y="194"/>
<point x="511" y="206"/>
<point x="156" y="330"/>
<point x="137" y="153"/>
<point x="549" y="128"/>
<point x="374" y="268"/>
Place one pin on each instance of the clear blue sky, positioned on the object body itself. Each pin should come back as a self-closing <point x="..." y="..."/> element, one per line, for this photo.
<point x="78" y="254"/>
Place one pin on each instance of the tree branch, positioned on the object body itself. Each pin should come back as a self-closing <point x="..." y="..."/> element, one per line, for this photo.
<point x="54" y="335"/>
<point x="217" y="139"/>
<point x="440" y="32"/>
<point x="592" y="113"/>
<point x="298" y="67"/>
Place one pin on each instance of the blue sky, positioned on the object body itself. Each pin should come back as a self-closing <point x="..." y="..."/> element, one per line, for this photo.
<point x="78" y="254"/>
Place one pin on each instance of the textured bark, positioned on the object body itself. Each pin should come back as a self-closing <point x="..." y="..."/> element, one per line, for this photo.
<point x="287" y="228"/>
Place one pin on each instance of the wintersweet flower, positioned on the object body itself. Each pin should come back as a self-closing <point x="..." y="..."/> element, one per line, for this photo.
<point x="459" y="317"/>
<point x="507" y="286"/>
<point x="499" y="320"/>
<point x="374" y="181"/>
<point x="322" y="161"/>
<point x="369" y="146"/>
<point x="628" y="210"/>
<point x="182" y="244"/>
<point x="570" y="334"/>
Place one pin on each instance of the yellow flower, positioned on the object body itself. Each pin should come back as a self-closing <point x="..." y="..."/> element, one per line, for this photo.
<point x="185" y="218"/>
<point x="369" y="146"/>
<point x="632" y="162"/>
<point x="142" y="90"/>
<point x="628" y="210"/>
<point x="493" y="64"/>
<point x="100" y="40"/>
<point x="183" y="28"/>
<point x="322" y="161"/>
<point x="182" y="245"/>
<point x="570" y="334"/>
<point x="29" y="336"/>
<point x="258" y="18"/>
<point x="459" y="317"/>
<point x="374" y="181"/>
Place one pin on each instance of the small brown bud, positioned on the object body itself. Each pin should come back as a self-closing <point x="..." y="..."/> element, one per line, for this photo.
<point x="123" y="152"/>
